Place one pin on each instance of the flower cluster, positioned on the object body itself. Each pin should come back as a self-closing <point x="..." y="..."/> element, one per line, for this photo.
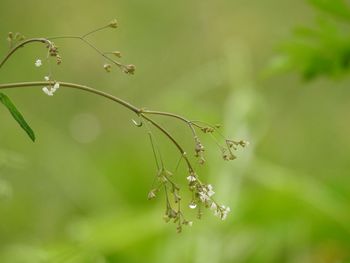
<point x="202" y="195"/>
<point x="50" y="91"/>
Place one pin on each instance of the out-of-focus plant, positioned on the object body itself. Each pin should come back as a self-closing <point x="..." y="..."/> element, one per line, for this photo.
<point x="322" y="49"/>
<point x="202" y="193"/>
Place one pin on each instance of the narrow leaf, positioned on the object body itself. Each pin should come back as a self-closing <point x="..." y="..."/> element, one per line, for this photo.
<point x="17" y="115"/>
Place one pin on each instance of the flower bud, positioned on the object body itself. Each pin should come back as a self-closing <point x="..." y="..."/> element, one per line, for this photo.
<point x="151" y="194"/>
<point x="107" y="67"/>
<point x="129" y="69"/>
<point x="113" y="23"/>
<point x="117" y="54"/>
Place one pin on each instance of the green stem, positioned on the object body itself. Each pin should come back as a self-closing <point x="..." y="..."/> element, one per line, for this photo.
<point x="126" y="104"/>
<point x="81" y="38"/>
<point x="74" y="86"/>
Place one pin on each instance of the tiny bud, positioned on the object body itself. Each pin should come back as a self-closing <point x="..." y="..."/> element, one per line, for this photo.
<point x="179" y="229"/>
<point x="117" y="54"/>
<point x="58" y="59"/>
<point x="166" y="218"/>
<point x="113" y="23"/>
<point x="129" y="69"/>
<point x="107" y="67"/>
<point x="187" y="223"/>
<point x="17" y="36"/>
<point x="151" y="194"/>
<point x="172" y="213"/>
<point x="201" y="160"/>
<point x="243" y="143"/>
<point x="53" y="50"/>
<point x="177" y="198"/>
<point x="10" y="35"/>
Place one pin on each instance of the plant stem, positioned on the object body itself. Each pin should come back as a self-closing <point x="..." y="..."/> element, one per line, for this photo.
<point x="126" y="104"/>
<point x="13" y="50"/>
<point x="74" y="86"/>
<point x="82" y="38"/>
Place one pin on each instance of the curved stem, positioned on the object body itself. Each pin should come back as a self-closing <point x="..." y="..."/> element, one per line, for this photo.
<point x="126" y="104"/>
<point x="188" y="122"/>
<point x="74" y="86"/>
<point x="95" y="30"/>
<point x="166" y="133"/>
<point x="13" y="50"/>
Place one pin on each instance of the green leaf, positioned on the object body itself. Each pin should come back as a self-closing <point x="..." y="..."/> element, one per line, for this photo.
<point x="17" y="115"/>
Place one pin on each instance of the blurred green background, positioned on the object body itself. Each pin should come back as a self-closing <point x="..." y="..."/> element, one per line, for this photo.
<point x="79" y="193"/>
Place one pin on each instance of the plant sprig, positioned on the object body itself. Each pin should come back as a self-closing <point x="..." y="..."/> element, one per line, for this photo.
<point x="202" y="193"/>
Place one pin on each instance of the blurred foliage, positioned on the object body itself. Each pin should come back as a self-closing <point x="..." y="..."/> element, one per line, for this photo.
<point x="322" y="49"/>
<point x="79" y="194"/>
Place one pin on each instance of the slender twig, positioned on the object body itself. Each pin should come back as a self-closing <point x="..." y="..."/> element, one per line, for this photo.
<point x="200" y="188"/>
<point x="82" y="38"/>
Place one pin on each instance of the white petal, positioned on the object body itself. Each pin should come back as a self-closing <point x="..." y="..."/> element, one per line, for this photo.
<point x="38" y="63"/>
<point x="213" y="206"/>
<point x="211" y="193"/>
<point x="192" y="205"/>
<point x="47" y="91"/>
<point x="56" y="86"/>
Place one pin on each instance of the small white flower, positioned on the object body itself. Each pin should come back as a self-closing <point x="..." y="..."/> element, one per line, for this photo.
<point x="210" y="190"/>
<point x="203" y="196"/>
<point x="47" y="91"/>
<point x="190" y="223"/>
<point x="38" y="63"/>
<point x="216" y="212"/>
<point x="213" y="206"/>
<point x="191" y="178"/>
<point x="56" y="86"/>
<point x="47" y="78"/>
<point x="224" y="213"/>
<point x="192" y="205"/>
